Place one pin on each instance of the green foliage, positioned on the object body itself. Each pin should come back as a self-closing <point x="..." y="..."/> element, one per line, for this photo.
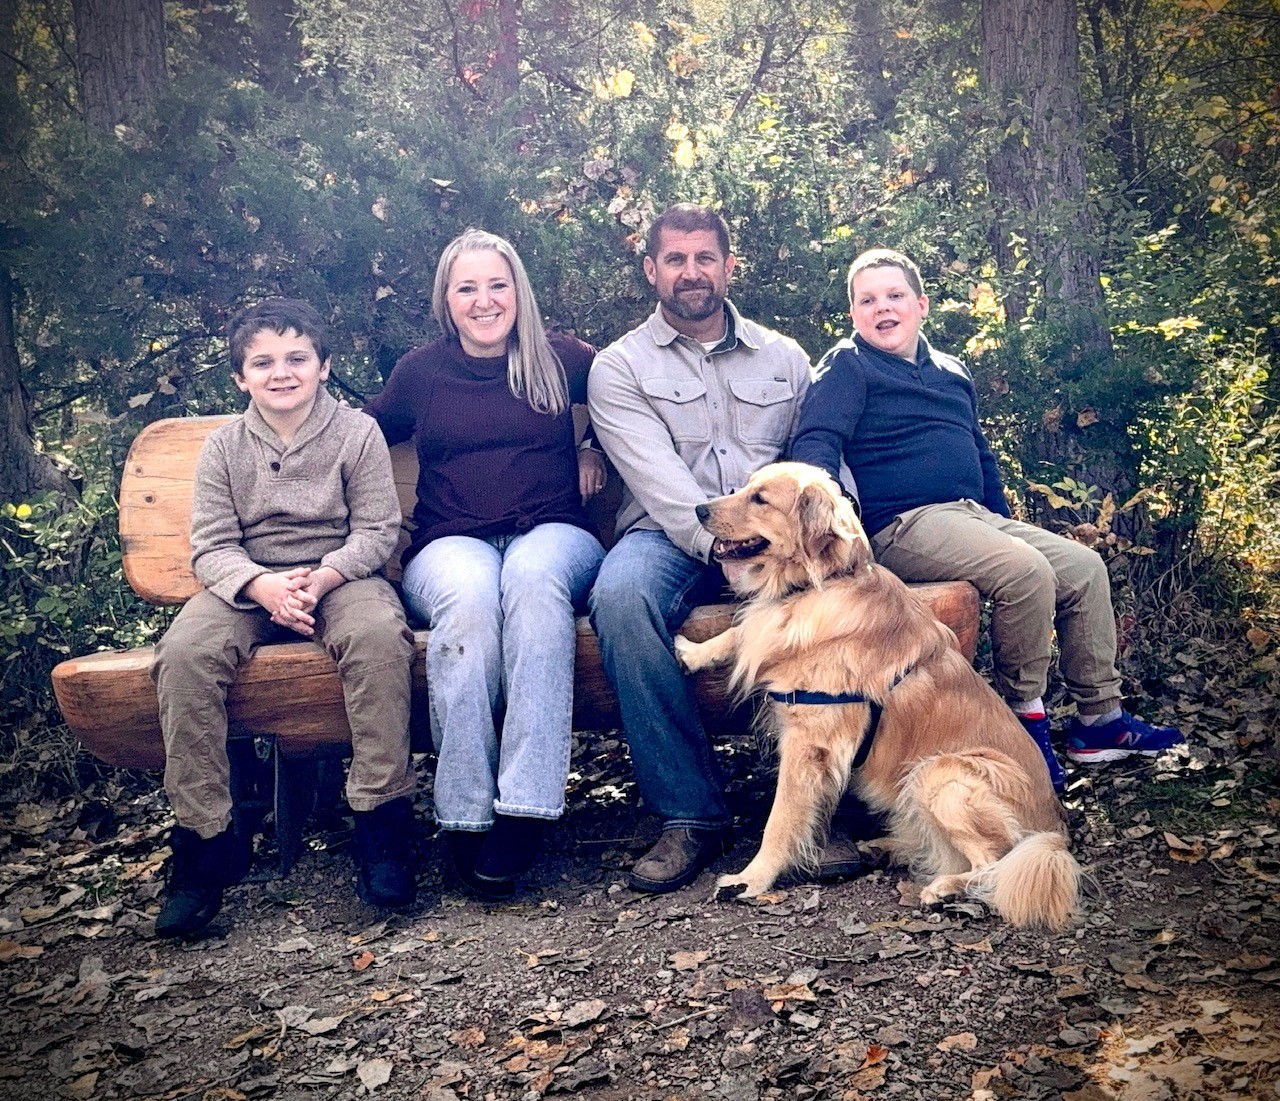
<point x="1210" y="453"/>
<point x="62" y="594"/>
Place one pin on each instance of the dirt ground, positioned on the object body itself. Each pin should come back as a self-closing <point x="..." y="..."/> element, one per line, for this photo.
<point x="1167" y="989"/>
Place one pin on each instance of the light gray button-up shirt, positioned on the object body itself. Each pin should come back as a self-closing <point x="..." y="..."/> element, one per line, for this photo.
<point x="683" y="424"/>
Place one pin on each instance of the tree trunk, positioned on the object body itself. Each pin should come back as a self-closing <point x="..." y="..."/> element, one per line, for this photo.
<point x="120" y="58"/>
<point x="506" y="54"/>
<point x="24" y="471"/>
<point x="1031" y="73"/>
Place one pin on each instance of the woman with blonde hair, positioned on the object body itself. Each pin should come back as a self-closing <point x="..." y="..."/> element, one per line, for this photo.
<point x="502" y="552"/>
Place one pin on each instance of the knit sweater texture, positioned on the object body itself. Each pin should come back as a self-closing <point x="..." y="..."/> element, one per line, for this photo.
<point x="326" y="499"/>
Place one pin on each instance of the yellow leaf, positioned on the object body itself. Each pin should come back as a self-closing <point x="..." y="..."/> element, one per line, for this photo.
<point x="23" y="511"/>
<point x="683" y="154"/>
<point x="1051" y="495"/>
<point x="644" y="35"/>
<point x="676" y="131"/>
<point x="621" y="83"/>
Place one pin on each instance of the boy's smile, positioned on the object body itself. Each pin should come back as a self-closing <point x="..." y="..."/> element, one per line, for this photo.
<point x="886" y="312"/>
<point x="282" y="373"/>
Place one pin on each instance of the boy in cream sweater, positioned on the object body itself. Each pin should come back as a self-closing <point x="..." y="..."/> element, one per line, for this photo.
<point x="295" y="514"/>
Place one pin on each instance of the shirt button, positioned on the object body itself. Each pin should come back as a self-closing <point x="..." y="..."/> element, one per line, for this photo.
<point x="723" y="451"/>
<point x="275" y="466"/>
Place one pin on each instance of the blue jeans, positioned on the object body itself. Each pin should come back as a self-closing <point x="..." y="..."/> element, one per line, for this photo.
<point x="501" y="614"/>
<point x="646" y="589"/>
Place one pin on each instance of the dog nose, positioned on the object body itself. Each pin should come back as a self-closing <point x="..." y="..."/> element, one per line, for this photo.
<point x="703" y="512"/>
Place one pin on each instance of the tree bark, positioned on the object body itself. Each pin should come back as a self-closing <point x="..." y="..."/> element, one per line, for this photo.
<point x="506" y="54"/>
<point x="24" y="471"/>
<point x="1043" y="236"/>
<point x="120" y="58"/>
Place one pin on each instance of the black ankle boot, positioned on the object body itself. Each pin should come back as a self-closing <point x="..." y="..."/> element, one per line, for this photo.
<point x="198" y="871"/>
<point x="384" y="839"/>
<point x="464" y="850"/>
<point x="510" y="848"/>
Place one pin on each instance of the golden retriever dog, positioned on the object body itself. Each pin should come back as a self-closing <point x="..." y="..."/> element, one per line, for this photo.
<point x="969" y="798"/>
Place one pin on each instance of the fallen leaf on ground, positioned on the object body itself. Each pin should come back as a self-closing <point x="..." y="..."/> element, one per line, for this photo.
<point x="584" y="1012"/>
<point x="374" y="1073"/>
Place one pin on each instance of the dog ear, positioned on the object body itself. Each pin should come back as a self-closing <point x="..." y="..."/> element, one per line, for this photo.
<point x="816" y="513"/>
<point x="829" y="528"/>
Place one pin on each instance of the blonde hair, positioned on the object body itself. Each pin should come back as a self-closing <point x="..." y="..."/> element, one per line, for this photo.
<point x="886" y="258"/>
<point x="534" y="371"/>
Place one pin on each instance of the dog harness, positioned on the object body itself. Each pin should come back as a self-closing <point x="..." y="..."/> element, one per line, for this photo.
<point x="876" y="708"/>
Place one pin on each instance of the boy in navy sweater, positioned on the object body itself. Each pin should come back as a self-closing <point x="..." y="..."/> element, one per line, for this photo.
<point x="904" y="417"/>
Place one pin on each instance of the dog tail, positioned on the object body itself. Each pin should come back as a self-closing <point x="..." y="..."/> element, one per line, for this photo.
<point x="1037" y="882"/>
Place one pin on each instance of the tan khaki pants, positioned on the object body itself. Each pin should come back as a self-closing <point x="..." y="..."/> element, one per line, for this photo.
<point x="1036" y="581"/>
<point x="362" y="626"/>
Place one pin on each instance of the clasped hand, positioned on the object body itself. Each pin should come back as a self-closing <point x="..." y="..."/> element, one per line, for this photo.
<point x="291" y="596"/>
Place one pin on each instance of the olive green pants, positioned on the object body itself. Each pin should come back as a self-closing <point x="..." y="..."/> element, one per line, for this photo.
<point x="1036" y="581"/>
<point x="362" y="626"/>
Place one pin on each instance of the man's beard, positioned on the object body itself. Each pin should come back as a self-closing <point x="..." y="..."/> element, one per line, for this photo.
<point x="690" y="308"/>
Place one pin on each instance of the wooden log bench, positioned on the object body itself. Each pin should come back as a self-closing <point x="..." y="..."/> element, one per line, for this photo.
<point x="288" y="697"/>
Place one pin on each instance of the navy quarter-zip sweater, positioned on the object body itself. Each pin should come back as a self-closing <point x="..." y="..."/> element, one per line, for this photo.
<point x="909" y="431"/>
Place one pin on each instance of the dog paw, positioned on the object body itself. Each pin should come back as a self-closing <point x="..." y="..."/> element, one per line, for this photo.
<point x="686" y="653"/>
<point x="938" y="892"/>
<point x="738" y="887"/>
<point x="732" y="891"/>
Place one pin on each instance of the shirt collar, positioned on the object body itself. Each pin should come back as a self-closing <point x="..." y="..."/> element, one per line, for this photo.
<point x="664" y="334"/>
<point x="924" y="352"/>
<point x="321" y="413"/>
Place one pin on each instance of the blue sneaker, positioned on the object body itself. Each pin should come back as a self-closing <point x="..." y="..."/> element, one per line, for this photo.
<point x="1038" y="728"/>
<point x="1120" y="738"/>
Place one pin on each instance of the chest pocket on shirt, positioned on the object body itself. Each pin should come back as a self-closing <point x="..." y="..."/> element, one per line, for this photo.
<point x="763" y="409"/>
<point x="679" y="403"/>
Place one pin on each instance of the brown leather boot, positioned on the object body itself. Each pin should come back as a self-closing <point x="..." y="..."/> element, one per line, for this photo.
<point x="679" y="858"/>
<point x="844" y="858"/>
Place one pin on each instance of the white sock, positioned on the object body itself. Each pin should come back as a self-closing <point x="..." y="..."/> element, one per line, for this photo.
<point x="1090" y="720"/>
<point x="1028" y="707"/>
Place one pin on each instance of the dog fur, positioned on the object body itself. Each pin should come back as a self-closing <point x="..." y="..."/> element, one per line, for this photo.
<point x="969" y="798"/>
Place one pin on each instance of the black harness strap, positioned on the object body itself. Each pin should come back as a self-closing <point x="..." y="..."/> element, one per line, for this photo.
<point x="804" y="697"/>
